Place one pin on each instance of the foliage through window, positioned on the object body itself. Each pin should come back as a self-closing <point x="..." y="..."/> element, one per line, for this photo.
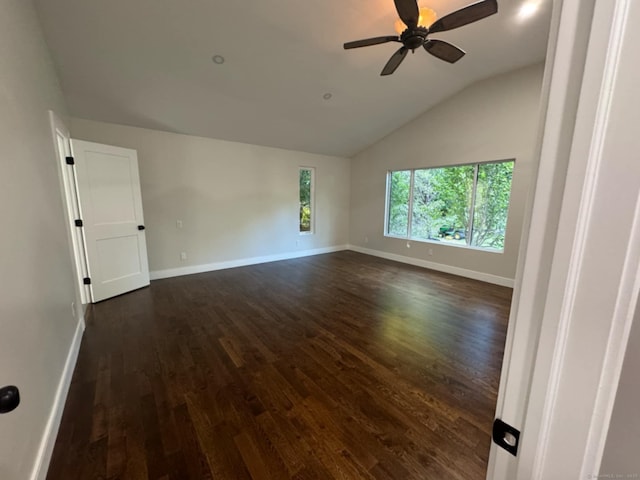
<point x="462" y="205"/>
<point x="306" y="200"/>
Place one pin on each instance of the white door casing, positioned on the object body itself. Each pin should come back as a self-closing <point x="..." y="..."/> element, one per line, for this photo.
<point x="559" y="383"/>
<point x="589" y="313"/>
<point x="559" y="102"/>
<point x="111" y="204"/>
<point x="62" y="144"/>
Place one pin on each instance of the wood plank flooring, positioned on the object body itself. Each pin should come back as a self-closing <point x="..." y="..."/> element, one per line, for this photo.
<point x="339" y="366"/>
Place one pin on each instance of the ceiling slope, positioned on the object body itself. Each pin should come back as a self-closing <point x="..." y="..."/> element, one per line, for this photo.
<point x="148" y="63"/>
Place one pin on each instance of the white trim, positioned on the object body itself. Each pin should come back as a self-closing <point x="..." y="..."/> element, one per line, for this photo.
<point x="241" y="262"/>
<point x="440" y="267"/>
<point x="529" y="346"/>
<point x="588" y="310"/>
<point x="48" y="441"/>
<point x="446" y="243"/>
<point x="585" y="214"/>
<point x="627" y="300"/>
<point x="623" y="317"/>
<point x="69" y="191"/>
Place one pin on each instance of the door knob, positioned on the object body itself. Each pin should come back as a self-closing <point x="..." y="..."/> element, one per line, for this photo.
<point x="9" y="399"/>
<point x="140" y="227"/>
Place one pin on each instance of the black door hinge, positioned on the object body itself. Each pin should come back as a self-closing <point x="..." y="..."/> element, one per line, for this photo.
<point x="506" y="436"/>
<point x="87" y="281"/>
<point x="79" y="223"/>
<point x="70" y="161"/>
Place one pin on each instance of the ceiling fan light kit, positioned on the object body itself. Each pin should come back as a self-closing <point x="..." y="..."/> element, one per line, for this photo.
<point x="426" y="17"/>
<point x="416" y="35"/>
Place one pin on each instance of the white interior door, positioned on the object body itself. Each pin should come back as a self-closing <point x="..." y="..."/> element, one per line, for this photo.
<point x="111" y="205"/>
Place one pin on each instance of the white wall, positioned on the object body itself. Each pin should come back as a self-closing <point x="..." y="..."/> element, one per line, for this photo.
<point x="237" y="202"/>
<point x="623" y="440"/>
<point x="36" y="321"/>
<point x="495" y="119"/>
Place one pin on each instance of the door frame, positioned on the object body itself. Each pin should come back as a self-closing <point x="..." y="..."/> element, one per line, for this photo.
<point x="547" y="339"/>
<point x="69" y="190"/>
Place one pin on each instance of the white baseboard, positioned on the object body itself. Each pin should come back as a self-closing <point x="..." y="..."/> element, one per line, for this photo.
<point x="243" y="262"/>
<point x="462" y="272"/>
<point x="53" y="424"/>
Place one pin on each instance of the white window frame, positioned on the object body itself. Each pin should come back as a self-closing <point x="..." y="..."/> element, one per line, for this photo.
<point x="312" y="200"/>
<point x="408" y="237"/>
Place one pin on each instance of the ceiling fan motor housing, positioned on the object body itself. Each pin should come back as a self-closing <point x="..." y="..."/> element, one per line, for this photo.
<point x="416" y="36"/>
<point x="413" y="38"/>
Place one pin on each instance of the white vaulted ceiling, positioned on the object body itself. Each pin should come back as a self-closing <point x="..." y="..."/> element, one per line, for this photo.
<point x="148" y="63"/>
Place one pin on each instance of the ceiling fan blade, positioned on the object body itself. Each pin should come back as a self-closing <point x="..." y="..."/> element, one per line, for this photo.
<point x="444" y="50"/>
<point x="469" y="14"/>
<point x="370" y="41"/>
<point x="408" y="12"/>
<point x="395" y="61"/>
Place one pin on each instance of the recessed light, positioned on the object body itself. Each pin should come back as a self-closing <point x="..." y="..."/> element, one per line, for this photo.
<point x="528" y="9"/>
<point x="327" y="96"/>
<point x="218" y="59"/>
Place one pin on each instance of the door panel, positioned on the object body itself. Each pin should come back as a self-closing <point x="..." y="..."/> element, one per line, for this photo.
<point x="111" y="204"/>
<point x="119" y="257"/>
<point x="111" y="188"/>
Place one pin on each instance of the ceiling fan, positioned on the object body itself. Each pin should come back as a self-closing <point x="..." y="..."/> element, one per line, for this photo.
<point x="416" y="36"/>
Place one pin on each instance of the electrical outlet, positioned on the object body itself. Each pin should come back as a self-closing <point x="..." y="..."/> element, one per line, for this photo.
<point x="366" y="239"/>
<point x="183" y="256"/>
<point x="430" y="252"/>
<point x="178" y="223"/>
<point x="408" y="245"/>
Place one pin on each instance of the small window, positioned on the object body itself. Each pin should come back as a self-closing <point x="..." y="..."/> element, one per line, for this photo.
<point x="306" y="200"/>
<point x="399" y="187"/>
<point x="465" y="205"/>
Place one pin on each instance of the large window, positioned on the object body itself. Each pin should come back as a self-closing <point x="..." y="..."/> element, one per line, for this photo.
<point x="306" y="200"/>
<point x="462" y="205"/>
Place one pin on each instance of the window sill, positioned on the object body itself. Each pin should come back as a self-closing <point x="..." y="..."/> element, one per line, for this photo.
<point x="447" y="244"/>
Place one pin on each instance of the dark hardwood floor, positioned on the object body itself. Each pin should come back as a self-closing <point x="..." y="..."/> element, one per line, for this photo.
<point x="333" y="366"/>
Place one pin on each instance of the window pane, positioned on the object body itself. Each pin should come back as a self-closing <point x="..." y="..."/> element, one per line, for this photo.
<point x="492" y="204"/>
<point x="441" y="204"/>
<point x="426" y="206"/>
<point x="399" y="186"/>
<point x="305" y="199"/>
